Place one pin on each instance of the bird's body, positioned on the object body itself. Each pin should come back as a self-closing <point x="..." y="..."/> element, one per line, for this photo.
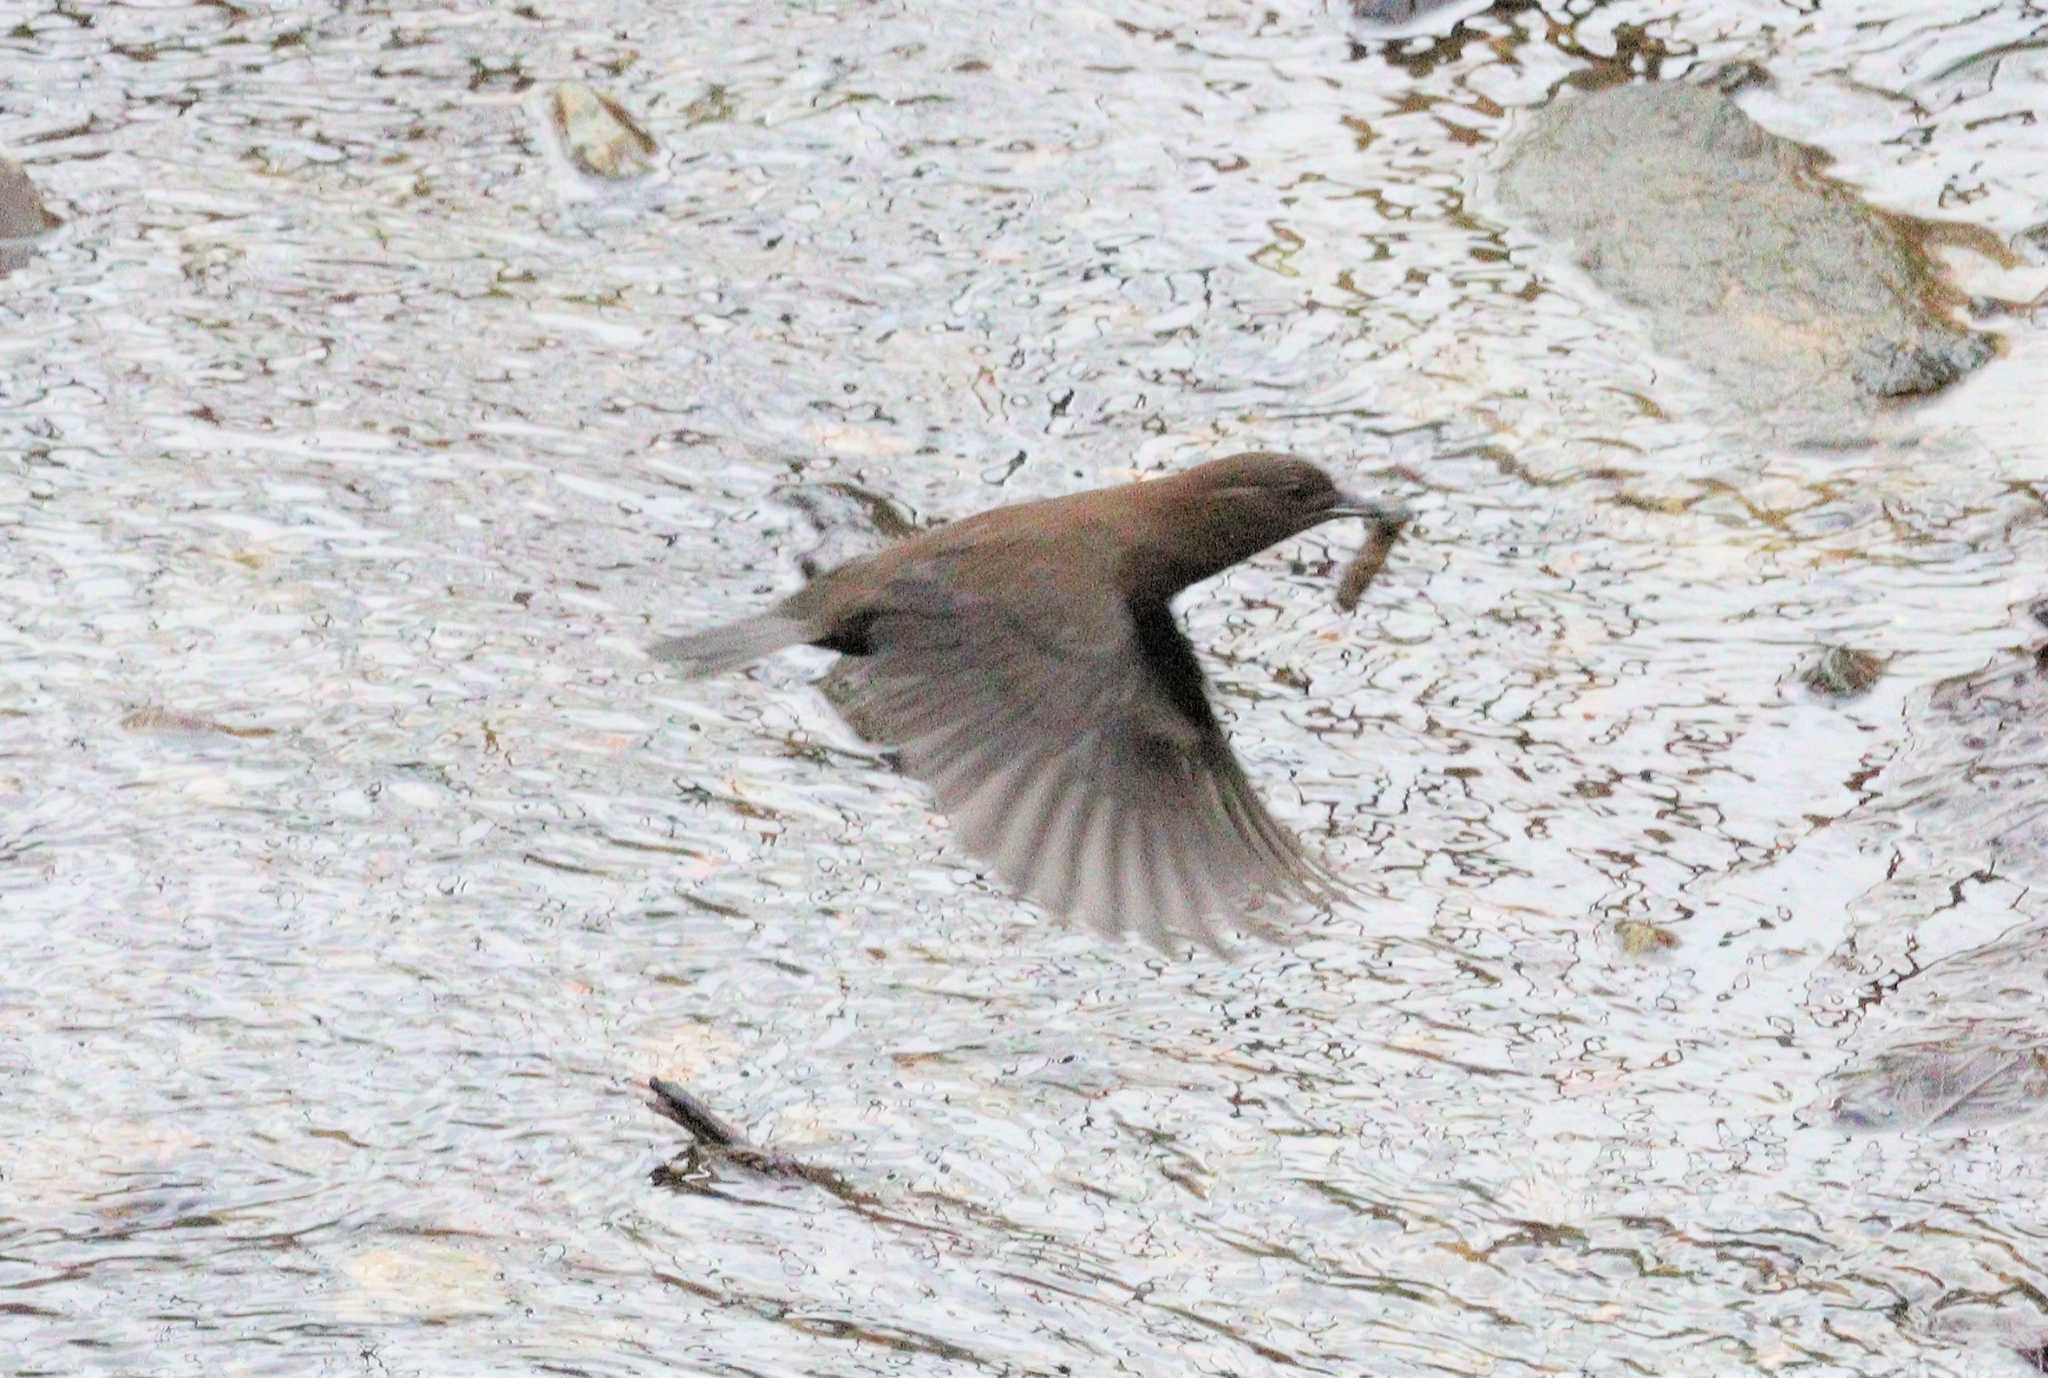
<point x="1026" y="664"/>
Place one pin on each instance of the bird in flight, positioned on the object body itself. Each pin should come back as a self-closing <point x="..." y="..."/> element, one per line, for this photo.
<point x="1025" y="664"/>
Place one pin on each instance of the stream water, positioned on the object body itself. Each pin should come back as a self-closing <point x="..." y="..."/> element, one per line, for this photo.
<point x="357" y="868"/>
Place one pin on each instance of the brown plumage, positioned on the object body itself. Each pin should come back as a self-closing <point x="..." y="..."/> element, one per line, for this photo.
<point x="1027" y="666"/>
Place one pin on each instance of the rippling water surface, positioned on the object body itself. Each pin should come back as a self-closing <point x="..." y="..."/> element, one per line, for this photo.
<point x="356" y="868"/>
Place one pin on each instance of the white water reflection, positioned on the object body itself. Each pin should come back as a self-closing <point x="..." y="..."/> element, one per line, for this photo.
<point x="354" y="867"/>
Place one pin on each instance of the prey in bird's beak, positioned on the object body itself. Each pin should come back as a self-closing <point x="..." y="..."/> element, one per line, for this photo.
<point x="1387" y="519"/>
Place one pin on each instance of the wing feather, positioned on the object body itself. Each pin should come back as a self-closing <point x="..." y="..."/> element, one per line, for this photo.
<point x="1088" y="770"/>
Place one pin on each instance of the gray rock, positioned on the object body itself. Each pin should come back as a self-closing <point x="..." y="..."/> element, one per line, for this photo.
<point x="1889" y="368"/>
<point x="1750" y="265"/>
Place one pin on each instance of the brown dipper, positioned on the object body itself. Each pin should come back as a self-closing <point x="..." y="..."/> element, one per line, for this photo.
<point x="1026" y="665"/>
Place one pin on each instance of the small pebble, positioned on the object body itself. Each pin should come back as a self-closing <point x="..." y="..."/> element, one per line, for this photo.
<point x="597" y="133"/>
<point x="1640" y="938"/>
<point x="1843" y="673"/>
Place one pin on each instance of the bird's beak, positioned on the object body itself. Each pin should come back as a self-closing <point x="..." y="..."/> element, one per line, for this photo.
<point x="1372" y="509"/>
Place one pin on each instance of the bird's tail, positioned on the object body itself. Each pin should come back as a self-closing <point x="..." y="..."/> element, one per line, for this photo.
<point x="731" y="646"/>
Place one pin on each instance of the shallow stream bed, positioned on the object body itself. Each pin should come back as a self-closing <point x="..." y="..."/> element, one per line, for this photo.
<point x="357" y="868"/>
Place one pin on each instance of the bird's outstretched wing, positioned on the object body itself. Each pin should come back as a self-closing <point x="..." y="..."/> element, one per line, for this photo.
<point x="1082" y="760"/>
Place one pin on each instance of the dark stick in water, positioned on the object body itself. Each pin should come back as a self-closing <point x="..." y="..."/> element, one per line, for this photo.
<point x="673" y="1102"/>
<point x="717" y="1139"/>
<point x="1366" y="565"/>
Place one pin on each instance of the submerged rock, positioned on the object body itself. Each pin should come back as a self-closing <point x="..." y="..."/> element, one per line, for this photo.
<point x="1942" y="1087"/>
<point x="597" y="134"/>
<point x="23" y="216"/>
<point x="1368" y="20"/>
<point x="1960" y="1046"/>
<point x="1752" y="266"/>
<point x="1974" y="779"/>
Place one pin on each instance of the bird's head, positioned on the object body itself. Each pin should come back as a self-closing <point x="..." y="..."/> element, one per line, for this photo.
<point x="1275" y="496"/>
<point x="1211" y="516"/>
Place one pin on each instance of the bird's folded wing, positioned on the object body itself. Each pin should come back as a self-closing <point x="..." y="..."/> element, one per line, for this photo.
<point x="1062" y="757"/>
